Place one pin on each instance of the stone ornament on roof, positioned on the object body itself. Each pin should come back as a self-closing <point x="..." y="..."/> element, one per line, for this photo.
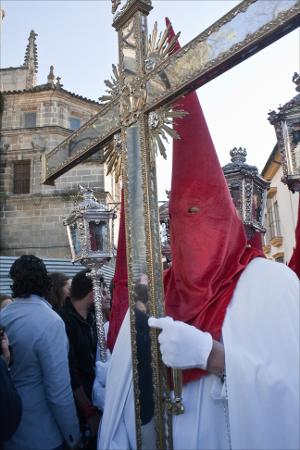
<point x="296" y="80"/>
<point x="51" y="76"/>
<point x="58" y="83"/>
<point x="31" y="59"/>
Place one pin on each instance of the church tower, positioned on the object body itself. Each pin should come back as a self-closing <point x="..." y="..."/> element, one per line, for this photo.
<point x="25" y="76"/>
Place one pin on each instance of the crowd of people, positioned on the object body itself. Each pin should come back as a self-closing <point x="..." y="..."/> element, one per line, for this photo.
<point x="54" y="391"/>
<point x="48" y="359"/>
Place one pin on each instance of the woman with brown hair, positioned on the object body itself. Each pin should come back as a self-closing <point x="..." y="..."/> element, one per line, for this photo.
<point x="60" y="289"/>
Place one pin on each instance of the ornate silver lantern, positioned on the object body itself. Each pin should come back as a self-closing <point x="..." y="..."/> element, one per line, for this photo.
<point x="89" y="228"/>
<point x="90" y="234"/>
<point x="248" y="190"/>
<point x="287" y="127"/>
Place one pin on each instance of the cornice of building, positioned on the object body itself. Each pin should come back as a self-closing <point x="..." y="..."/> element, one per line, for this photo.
<point x="8" y="131"/>
<point x="51" y="88"/>
<point x="272" y="165"/>
<point x="56" y="193"/>
<point x="3" y="69"/>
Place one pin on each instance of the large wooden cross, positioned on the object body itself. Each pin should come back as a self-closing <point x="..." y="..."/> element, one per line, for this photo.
<point x="145" y="81"/>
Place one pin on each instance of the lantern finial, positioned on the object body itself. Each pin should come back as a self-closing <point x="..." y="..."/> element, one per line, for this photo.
<point x="238" y="162"/>
<point x="86" y="199"/>
<point x="296" y="80"/>
<point x="238" y="155"/>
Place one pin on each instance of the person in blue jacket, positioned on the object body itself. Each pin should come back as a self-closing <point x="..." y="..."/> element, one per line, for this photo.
<point x="40" y="370"/>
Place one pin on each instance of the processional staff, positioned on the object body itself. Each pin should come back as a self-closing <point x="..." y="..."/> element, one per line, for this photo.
<point x="89" y="228"/>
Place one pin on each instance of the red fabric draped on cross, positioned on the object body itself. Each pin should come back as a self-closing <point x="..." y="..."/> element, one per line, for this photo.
<point x="208" y="242"/>
<point x="294" y="263"/>
<point x="120" y="290"/>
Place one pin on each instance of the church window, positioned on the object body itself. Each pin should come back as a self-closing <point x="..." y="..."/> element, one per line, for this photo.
<point x="30" y="120"/>
<point x="273" y="218"/>
<point x="21" y="177"/>
<point x="61" y="113"/>
<point x="74" y="123"/>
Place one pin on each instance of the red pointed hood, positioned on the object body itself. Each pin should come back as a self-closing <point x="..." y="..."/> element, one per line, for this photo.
<point x="294" y="263"/>
<point x="208" y="242"/>
<point x="120" y="289"/>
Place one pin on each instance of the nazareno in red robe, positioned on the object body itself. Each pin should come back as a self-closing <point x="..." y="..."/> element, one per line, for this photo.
<point x="208" y="242"/>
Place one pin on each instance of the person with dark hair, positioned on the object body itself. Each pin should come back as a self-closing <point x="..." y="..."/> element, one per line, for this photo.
<point x="30" y="276"/>
<point x="106" y="303"/>
<point x="81" y="329"/>
<point x="60" y="290"/>
<point x="40" y="369"/>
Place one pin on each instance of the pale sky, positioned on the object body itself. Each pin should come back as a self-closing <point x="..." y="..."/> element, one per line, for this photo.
<point x="78" y="39"/>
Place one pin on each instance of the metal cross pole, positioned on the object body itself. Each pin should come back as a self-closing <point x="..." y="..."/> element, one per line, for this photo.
<point x="144" y="84"/>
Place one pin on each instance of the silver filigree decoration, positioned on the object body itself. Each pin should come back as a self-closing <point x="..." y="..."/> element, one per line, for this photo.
<point x="248" y="190"/>
<point x="158" y="47"/>
<point x="95" y="274"/>
<point x="132" y="101"/>
<point x="118" y="10"/>
<point x="114" y="5"/>
<point x="113" y="156"/>
<point x="113" y="86"/>
<point x="160" y="126"/>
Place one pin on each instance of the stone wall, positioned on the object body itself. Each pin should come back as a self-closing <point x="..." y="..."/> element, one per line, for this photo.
<point x="51" y="107"/>
<point x="287" y="219"/>
<point x="32" y="223"/>
<point x="13" y="79"/>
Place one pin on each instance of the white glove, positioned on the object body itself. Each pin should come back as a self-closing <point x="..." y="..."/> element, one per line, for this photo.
<point x="182" y="346"/>
<point x="102" y="369"/>
<point x="98" y="394"/>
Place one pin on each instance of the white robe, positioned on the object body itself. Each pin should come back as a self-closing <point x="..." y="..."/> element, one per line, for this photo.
<point x="261" y="339"/>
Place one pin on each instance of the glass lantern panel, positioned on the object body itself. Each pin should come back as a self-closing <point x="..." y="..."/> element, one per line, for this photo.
<point x="291" y="138"/>
<point x="164" y="233"/>
<point x="75" y="239"/>
<point x="236" y="192"/>
<point x="296" y="146"/>
<point x="257" y="205"/>
<point x="98" y="236"/>
<point x="165" y="243"/>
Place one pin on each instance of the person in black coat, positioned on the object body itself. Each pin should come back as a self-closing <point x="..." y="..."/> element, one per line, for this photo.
<point x="77" y="313"/>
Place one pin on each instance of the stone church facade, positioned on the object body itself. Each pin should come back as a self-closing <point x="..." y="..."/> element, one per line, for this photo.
<point x="35" y="119"/>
